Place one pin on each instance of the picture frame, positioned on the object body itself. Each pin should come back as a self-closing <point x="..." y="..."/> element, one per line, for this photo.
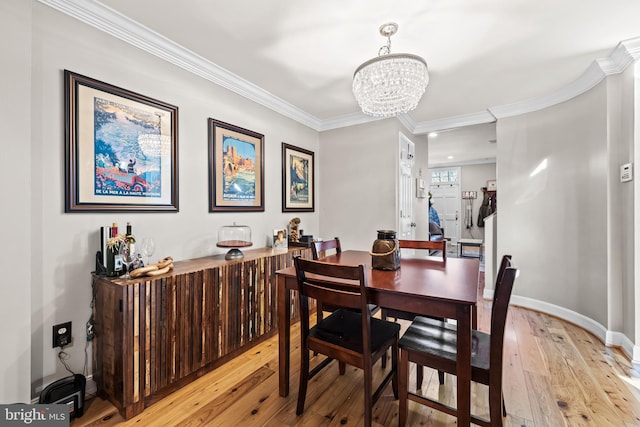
<point x="280" y="238"/>
<point x="298" y="183"/>
<point x="236" y="168"/>
<point x="121" y="149"/>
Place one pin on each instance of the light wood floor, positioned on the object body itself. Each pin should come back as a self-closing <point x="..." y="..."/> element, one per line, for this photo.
<point x="555" y="374"/>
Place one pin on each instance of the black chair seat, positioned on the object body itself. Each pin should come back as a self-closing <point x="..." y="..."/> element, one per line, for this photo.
<point x="432" y="336"/>
<point x="344" y="328"/>
<point x="431" y="342"/>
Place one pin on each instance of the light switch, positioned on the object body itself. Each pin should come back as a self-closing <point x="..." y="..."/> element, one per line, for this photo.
<point x="626" y="172"/>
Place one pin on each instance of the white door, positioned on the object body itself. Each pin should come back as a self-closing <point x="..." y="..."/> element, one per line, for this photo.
<point x="446" y="200"/>
<point x="406" y="224"/>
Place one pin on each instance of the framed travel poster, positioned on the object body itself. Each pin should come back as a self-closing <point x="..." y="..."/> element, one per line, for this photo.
<point x="236" y="168"/>
<point x="297" y="179"/>
<point x="121" y="149"/>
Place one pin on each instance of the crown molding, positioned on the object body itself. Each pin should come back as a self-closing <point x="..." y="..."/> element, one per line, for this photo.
<point x="444" y="123"/>
<point x="625" y="54"/>
<point x="111" y="22"/>
<point x="94" y="13"/>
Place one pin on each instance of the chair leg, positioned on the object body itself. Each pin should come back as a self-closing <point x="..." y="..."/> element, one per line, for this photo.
<point x="368" y="395"/>
<point x="342" y="367"/>
<point x="394" y="366"/>
<point x="496" y="407"/>
<point x="319" y="317"/>
<point x="304" y="378"/>
<point x="403" y="386"/>
<point x="504" y="407"/>
<point x="441" y="377"/>
<point x="383" y="316"/>
<point x="419" y="376"/>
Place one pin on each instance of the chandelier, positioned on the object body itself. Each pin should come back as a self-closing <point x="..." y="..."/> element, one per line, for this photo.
<point x="390" y="84"/>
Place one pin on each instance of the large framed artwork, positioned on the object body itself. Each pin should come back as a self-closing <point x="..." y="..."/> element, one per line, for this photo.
<point x="297" y="179"/>
<point x="121" y="149"/>
<point x="236" y="168"/>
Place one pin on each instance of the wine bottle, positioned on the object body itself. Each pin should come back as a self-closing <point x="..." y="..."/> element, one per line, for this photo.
<point x="131" y="239"/>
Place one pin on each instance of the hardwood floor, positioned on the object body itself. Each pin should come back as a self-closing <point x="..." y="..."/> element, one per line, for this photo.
<point x="555" y="374"/>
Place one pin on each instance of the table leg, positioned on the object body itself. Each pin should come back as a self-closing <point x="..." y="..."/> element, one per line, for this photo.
<point x="463" y="370"/>
<point x="284" y="339"/>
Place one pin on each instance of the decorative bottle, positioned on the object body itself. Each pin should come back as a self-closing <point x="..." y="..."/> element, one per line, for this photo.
<point x="114" y="259"/>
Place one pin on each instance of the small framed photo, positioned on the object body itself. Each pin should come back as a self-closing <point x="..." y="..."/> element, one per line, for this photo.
<point x="280" y="238"/>
<point x="121" y="149"/>
<point x="297" y="179"/>
<point x="236" y="168"/>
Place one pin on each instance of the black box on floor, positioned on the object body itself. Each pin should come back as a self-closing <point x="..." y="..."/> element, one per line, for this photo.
<point x="67" y="391"/>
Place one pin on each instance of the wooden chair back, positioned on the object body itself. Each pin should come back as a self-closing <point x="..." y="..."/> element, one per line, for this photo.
<point x="319" y="249"/>
<point x="499" y="309"/>
<point x="436" y="248"/>
<point x="350" y="334"/>
<point x="322" y="285"/>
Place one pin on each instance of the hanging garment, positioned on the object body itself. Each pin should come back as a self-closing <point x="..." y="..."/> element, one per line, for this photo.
<point x="485" y="210"/>
<point x="468" y="214"/>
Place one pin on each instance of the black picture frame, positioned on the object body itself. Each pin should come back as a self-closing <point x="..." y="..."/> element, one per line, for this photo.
<point x="236" y="168"/>
<point x="298" y="182"/>
<point x="121" y="149"/>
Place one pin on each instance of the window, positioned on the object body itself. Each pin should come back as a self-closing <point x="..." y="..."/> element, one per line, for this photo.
<point x="444" y="176"/>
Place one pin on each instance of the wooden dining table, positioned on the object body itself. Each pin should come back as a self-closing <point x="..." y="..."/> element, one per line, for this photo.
<point x="425" y="286"/>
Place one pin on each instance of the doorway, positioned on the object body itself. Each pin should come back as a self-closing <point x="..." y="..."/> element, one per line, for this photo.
<point x="445" y="196"/>
<point x="406" y="223"/>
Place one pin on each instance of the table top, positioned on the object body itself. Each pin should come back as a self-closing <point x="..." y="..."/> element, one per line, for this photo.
<point x="454" y="280"/>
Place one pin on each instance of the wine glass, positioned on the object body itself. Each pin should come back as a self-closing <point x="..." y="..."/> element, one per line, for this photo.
<point x="127" y="258"/>
<point x="148" y="247"/>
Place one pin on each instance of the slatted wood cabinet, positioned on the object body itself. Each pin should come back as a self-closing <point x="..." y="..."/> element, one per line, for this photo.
<point x="153" y="335"/>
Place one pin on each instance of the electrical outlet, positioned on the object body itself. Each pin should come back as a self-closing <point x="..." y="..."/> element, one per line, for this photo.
<point x="61" y="334"/>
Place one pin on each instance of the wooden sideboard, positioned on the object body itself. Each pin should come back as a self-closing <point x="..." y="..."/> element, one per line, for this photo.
<point x="153" y="335"/>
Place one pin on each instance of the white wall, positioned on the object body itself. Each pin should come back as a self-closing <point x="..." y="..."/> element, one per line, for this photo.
<point x="64" y="245"/>
<point x="15" y="214"/>
<point x="554" y="223"/>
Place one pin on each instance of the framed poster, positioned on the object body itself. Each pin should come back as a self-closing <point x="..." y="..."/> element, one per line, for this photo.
<point x="121" y="149"/>
<point x="236" y="168"/>
<point x="297" y="179"/>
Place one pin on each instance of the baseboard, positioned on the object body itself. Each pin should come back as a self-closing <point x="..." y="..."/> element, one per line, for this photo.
<point x="609" y="338"/>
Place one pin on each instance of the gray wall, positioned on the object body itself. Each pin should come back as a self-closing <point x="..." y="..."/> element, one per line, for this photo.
<point x="51" y="254"/>
<point x="17" y="249"/>
<point x="357" y="185"/>
<point x="555" y="223"/>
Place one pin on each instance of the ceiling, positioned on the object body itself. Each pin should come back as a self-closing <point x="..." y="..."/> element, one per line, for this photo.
<point x="487" y="58"/>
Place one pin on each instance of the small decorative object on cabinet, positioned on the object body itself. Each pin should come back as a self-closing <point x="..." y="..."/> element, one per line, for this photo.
<point x="294" y="224"/>
<point x="234" y="237"/>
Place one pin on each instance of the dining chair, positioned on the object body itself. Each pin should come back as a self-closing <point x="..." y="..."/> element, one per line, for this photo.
<point x="438" y="250"/>
<point x="351" y="337"/>
<point x="433" y="343"/>
<point x="319" y="250"/>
